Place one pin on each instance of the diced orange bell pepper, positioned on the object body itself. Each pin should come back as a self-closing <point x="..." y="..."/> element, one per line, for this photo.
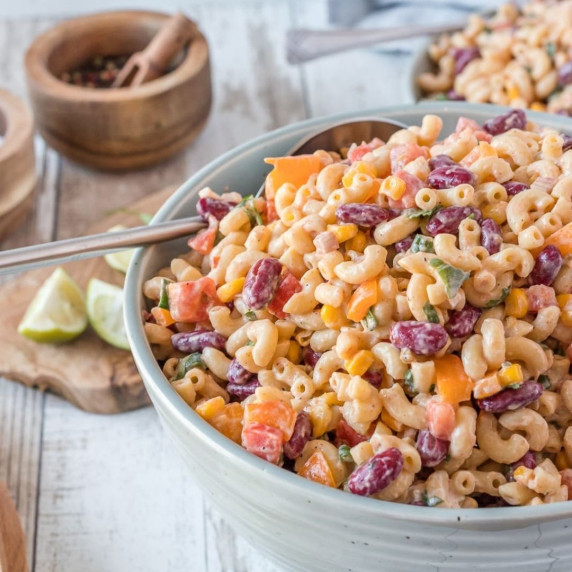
<point x="453" y="384"/>
<point x="263" y="441"/>
<point x="562" y="239"/>
<point x="162" y="316"/>
<point x="277" y="414"/>
<point x="295" y="169"/>
<point x="364" y="297"/>
<point x="229" y="421"/>
<point x="316" y="469"/>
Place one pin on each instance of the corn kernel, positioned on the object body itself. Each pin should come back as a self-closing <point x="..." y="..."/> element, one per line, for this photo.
<point x="358" y="167"/>
<point x="516" y="303"/>
<point x="390" y="421"/>
<point x="537" y="106"/>
<point x="210" y="408"/>
<point x="343" y="232"/>
<point x="333" y="318"/>
<point x="320" y="416"/>
<point x="294" y="352"/>
<point x="228" y="291"/>
<point x="513" y="93"/>
<point x="487" y="386"/>
<point x="521" y="471"/>
<point x="496" y="211"/>
<point x="359" y="363"/>
<point x="561" y="460"/>
<point x="358" y="242"/>
<point x="393" y="187"/>
<point x="511" y="374"/>
<point x="565" y="303"/>
<point x="162" y="316"/>
<point x="487" y="150"/>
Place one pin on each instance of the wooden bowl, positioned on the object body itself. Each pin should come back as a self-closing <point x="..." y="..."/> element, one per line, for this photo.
<point x="17" y="162"/>
<point x="122" y="128"/>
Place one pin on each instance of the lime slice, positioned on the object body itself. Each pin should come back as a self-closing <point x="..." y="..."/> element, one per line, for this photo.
<point x="119" y="260"/>
<point x="57" y="312"/>
<point x="105" y="312"/>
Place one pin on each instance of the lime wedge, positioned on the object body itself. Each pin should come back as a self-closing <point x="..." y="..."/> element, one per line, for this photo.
<point x="105" y="312"/>
<point x="119" y="260"/>
<point x="57" y="312"/>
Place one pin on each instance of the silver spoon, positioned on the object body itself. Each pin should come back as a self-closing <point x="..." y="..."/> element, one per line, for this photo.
<point x="333" y="137"/>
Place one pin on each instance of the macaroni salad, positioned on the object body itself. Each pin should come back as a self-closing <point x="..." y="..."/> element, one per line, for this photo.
<point x="521" y="58"/>
<point x="394" y="320"/>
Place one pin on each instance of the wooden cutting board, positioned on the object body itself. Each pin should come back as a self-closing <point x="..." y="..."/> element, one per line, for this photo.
<point x="88" y="372"/>
<point x="12" y="540"/>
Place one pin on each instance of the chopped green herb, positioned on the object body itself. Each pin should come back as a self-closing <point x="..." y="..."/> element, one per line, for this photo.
<point x="554" y="94"/>
<point x="187" y="363"/>
<point x="344" y="454"/>
<point x="409" y="381"/>
<point x="441" y="97"/>
<point x="250" y="343"/>
<point x="430" y="501"/>
<point x="551" y="49"/>
<point x="447" y="458"/>
<point x="244" y="201"/>
<point x="452" y="277"/>
<point x="471" y="216"/>
<point x="430" y="313"/>
<point x="487" y="30"/>
<point x="497" y="301"/>
<point x="145" y="218"/>
<point x="163" y="296"/>
<point x="528" y="69"/>
<point x="418" y="213"/>
<point x="250" y="315"/>
<point x="513" y="385"/>
<point x="422" y="243"/>
<point x="248" y="204"/>
<point x="544" y="380"/>
<point x="370" y="321"/>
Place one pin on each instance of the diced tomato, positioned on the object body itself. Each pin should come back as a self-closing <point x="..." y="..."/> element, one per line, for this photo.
<point x="357" y="152"/>
<point x="403" y="154"/>
<point x="346" y="435"/>
<point x="317" y="469"/>
<point x="289" y="285"/>
<point x="189" y="301"/>
<point x="412" y="185"/>
<point x="204" y="241"/>
<point x="263" y="441"/>
<point x="440" y="418"/>
<point x="277" y="414"/>
<point x="540" y="296"/>
<point x="466" y="123"/>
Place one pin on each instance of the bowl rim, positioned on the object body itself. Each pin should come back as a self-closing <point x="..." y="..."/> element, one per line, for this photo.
<point x="157" y="384"/>
<point x="44" y="80"/>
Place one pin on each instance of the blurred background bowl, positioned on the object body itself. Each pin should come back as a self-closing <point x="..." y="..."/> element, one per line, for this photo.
<point x="123" y="128"/>
<point x="300" y="524"/>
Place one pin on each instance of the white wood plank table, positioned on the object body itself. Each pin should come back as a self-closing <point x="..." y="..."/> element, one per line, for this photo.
<point x="108" y="493"/>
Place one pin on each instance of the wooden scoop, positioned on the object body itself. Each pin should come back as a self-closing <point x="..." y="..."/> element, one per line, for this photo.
<point x="12" y="540"/>
<point x="150" y="63"/>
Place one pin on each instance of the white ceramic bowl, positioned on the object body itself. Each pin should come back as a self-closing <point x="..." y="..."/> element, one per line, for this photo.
<point x="300" y="524"/>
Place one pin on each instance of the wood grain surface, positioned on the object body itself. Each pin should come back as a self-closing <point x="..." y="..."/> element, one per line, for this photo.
<point x="88" y="372"/>
<point x="108" y="492"/>
<point x="12" y="542"/>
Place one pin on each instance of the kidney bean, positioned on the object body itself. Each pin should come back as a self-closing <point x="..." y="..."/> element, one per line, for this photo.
<point x="405" y="244"/>
<point x="450" y="176"/>
<point x="515" y="187"/>
<point x="374" y="377"/>
<point x="347" y="435"/>
<point x="423" y="338"/>
<point x="540" y="296"/>
<point x="216" y="207"/>
<point x="362" y="215"/>
<point x="565" y="74"/>
<point x="510" y="399"/>
<point x="236" y="374"/>
<point x="197" y="341"/>
<point x="462" y="322"/>
<point x="241" y="392"/>
<point x="261" y="283"/>
<point x="452" y="95"/>
<point x="547" y="266"/>
<point x="431" y="449"/>
<point x="448" y="219"/>
<point x="376" y="473"/>
<point x="310" y="357"/>
<point x="486" y="500"/>
<point x="300" y="436"/>
<point x="513" y="119"/>
<point x="441" y="161"/>
<point x="491" y="237"/>
<point x="566" y="142"/>
<point x="528" y="460"/>
<point x="464" y="56"/>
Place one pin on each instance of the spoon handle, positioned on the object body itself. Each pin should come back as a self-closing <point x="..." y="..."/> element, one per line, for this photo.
<point x="95" y="245"/>
<point x="303" y="45"/>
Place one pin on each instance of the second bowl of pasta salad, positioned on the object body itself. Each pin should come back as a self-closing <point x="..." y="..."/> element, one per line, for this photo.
<point x="392" y="319"/>
<point x="520" y="57"/>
